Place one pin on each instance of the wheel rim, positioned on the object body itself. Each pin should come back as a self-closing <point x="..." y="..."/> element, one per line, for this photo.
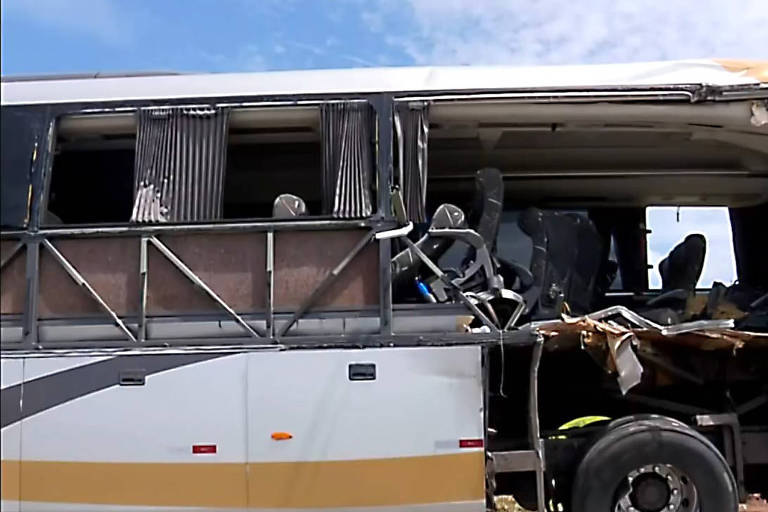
<point x="657" y="488"/>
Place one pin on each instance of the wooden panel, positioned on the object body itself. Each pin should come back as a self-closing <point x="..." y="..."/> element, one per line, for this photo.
<point x="13" y="280"/>
<point x="111" y="267"/>
<point x="304" y="258"/>
<point x="231" y="264"/>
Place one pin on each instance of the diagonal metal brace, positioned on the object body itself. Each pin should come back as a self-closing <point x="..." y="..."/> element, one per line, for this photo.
<point x="327" y="282"/>
<point x="79" y="279"/>
<point x="445" y="279"/>
<point x="189" y="274"/>
<point x="14" y="252"/>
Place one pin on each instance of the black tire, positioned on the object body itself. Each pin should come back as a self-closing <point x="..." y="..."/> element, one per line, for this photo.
<point x="628" y="445"/>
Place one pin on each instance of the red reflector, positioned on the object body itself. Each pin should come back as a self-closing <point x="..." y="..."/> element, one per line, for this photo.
<point x="204" y="448"/>
<point x="470" y="443"/>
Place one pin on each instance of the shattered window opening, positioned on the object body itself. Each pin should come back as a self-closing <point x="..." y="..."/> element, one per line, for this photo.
<point x="666" y="232"/>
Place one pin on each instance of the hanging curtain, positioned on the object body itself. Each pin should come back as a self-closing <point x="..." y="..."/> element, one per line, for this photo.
<point x="412" y="127"/>
<point x="180" y="163"/>
<point x="347" y="159"/>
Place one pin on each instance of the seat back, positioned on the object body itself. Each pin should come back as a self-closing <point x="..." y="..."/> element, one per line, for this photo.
<point x="565" y="263"/>
<point x="406" y="265"/>
<point x="488" y="205"/>
<point x="681" y="269"/>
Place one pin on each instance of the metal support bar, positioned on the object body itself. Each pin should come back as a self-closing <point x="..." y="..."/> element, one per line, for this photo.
<point x="444" y="278"/>
<point x="143" y="289"/>
<point x="270" y="264"/>
<point x="327" y="282"/>
<point x="189" y="274"/>
<point x="80" y="280"/>
<point x="533" y="418"/>
<point x="384" y="108"/>
<point x="385" y="286"/>
<point x="14" y="252"/>
<point x="732" y="435"/>
<point x="32" y="276"/>
<point x="256" y="226"/>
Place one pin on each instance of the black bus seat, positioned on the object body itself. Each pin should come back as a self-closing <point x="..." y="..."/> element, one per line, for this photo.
<point x="406" y="266"/>
<point x="565" y="263"/>
<point x="680" y="271"/>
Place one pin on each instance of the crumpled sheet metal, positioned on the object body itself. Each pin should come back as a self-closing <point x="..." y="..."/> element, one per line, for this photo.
<point x="599" y="331"/>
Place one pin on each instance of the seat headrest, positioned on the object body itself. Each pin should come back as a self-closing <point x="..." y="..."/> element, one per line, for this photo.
<point x="682" y="268"/>
<point x="448" y="216"/>
<point x="287" y="206"/>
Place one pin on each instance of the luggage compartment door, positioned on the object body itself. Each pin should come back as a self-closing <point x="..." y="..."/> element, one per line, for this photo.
<point x="389" y="427"/>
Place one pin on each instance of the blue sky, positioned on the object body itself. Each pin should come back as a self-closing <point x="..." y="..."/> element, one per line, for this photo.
<point x="41" y="36"/>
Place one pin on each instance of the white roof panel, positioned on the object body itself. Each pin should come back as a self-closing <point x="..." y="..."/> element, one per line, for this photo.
<point x="371" y="80"/>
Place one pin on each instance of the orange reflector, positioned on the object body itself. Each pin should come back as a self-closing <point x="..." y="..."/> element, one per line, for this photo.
<point x="281" y="436"/>
<point x="470" y="443"/>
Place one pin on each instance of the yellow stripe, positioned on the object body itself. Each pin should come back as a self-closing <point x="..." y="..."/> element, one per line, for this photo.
<point x="370" y="482"/>
<point x="9" y="480"/>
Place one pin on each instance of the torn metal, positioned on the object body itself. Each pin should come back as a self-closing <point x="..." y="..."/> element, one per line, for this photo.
<point x="620" y="334"/>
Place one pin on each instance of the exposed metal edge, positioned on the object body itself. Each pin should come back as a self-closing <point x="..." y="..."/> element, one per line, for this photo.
<point x="555" y="96"/>
<point x="514" y="339"/>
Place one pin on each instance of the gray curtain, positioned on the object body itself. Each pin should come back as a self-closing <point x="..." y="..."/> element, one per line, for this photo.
<point x="347" y="159"/>
<point x="180" y="163"/>
<point x="412" y="127"/>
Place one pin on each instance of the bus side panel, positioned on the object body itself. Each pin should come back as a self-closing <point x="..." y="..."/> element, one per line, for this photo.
<point x="177" y="440"/>
<point x="12" y="375"/>
<point x="366" y="428"/>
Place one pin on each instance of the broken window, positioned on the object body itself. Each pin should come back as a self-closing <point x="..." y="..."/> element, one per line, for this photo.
<point x="92" y="178"/>
<point x="272" y="151"/>
<point x="671" y="226"/>
<point x="208" y="164"/>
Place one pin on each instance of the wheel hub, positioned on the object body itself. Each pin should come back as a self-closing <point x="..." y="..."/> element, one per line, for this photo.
<point x="657" y="488"/>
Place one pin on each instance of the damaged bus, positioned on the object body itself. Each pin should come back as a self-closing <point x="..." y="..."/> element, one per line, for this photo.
<point x="396" y="289"/>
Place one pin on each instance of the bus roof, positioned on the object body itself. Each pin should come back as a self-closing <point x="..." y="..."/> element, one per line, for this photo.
<point x="97" y="87"/>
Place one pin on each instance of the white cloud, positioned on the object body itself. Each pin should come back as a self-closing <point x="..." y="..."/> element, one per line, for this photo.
<point x="99" y="18"/>
<point x="571" y="32"/>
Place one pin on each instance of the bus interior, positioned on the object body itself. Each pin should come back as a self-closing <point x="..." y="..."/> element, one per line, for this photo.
<point x="575" y="185"/>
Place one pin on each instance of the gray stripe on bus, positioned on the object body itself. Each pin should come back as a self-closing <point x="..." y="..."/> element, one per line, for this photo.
<point x="46" y="392"/>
